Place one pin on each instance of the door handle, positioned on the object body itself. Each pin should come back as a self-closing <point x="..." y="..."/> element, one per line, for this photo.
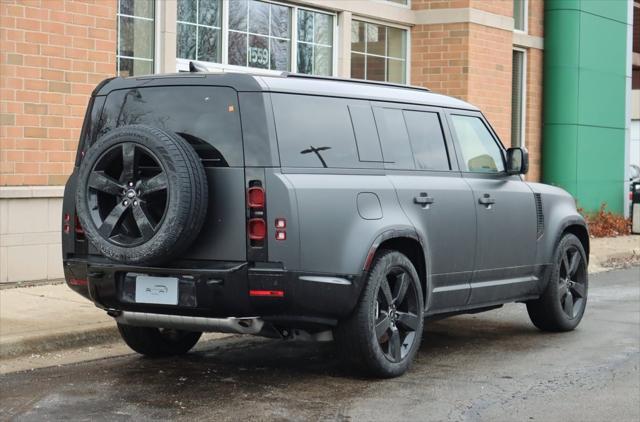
<point x="487" y="200"/>
<point x="423" y="199"/>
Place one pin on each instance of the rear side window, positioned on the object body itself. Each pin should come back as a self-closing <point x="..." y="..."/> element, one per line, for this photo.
<point x="394" y="138"/>
<point x="427" y="140"/>
<point x="480" y="152"/>
<point x="207" y="117"/>
<point x="316" y="132"/>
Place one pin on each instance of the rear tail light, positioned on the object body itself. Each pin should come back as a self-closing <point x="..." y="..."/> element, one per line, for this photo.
<point x="66" y="227"/>
<point x="257" y="229"/>
<point x="256" y="223"/>
<point x="78" y="227"/>
<point x="281" y="229"/>
<point x="255" y="197"/>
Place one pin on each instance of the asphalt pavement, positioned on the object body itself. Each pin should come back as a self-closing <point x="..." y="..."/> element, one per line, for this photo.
<point x="493" y="366"/>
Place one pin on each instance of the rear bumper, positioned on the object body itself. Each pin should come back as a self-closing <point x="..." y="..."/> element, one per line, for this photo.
<point x="222" y="290"/>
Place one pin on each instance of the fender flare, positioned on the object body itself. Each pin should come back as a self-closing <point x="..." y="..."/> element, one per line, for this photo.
<point x="396" y="232"/>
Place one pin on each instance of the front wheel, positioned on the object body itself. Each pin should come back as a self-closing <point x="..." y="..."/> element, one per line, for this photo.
<point x="158" y="342"/>
<point x="562" y="305"/>
<point x="383" y="334"/>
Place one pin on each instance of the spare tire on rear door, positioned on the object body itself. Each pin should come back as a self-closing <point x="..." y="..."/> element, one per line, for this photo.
<point x="142" y="195"/>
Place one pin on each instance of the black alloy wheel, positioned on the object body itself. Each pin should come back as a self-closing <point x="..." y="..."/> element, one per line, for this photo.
<point x="562" y="304"/>
<point x="141" y="194"/>
<point x="127" y="194"/>
<point x="382" y="335"/>
<point x="572" y="289"/>
<point x="396" y="314"/>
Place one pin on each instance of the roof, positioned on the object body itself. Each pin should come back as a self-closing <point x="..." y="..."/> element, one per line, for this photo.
<point x="294" y="84"/>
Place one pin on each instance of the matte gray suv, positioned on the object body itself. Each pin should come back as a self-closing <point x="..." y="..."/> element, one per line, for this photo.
<point x="313" y="208"/>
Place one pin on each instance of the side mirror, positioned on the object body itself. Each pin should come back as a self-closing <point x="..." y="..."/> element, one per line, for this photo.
<point x="517" y="161"/>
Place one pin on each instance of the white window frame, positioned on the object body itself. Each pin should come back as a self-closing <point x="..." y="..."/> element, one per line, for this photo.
<point x="156" y="38"/>
<point x="393" y="25"/>
<point x="523" y="96"/>
<point x="525" y="30"/>
<point x="183" y="64"/>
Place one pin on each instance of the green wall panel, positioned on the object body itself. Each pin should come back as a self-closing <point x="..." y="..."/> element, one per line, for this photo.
<point x="560" y="156"/>
<point x="584" y="99"/>
<point x="561" y="95"/>
<point x="610" y="9"/>
<point x="601" y="99"/>
<point x="601" y="48"/>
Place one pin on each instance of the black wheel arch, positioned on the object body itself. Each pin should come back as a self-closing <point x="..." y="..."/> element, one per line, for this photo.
<point x="408" y="242"/>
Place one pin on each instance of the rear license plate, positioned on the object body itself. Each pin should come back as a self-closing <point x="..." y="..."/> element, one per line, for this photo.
<point x="157" y="290"/>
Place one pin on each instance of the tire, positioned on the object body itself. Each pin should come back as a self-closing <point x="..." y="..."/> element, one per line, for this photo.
<point x="156" y="342"/>
<point x="141" y="195"/>
<point x="564" y="300"/>
<point x="372" y="351"/>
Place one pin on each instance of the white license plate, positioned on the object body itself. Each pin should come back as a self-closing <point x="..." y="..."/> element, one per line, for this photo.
<point x="157" y="290"/>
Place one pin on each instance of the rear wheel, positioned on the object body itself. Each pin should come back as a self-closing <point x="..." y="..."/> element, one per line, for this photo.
<point x="158" y="342"/>
<point x="562" y="305"/>
<point x="383" y="335"/>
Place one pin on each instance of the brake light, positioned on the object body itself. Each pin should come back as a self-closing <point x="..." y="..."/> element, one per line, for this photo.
<point x="78" y="282"/>
<point x="266" y="293"/>
<point x="78" y="227"/>
<point x="255" y="197"/>
<point x="257" y="229"/>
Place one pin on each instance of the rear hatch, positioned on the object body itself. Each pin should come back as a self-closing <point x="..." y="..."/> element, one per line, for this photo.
<point x="208" y="118"/>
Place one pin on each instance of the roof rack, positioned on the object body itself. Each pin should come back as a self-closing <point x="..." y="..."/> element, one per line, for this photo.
<point x="359" y="81"/>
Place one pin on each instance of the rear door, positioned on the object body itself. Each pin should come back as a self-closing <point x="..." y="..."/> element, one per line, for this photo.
<point x="208" y="118"/>
<point x="419" y="161"/>
<point x="505" y="211"/>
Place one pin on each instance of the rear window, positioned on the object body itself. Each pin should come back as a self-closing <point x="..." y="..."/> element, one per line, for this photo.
<point x="208" y="117"/>
<point x="319" y="132"/>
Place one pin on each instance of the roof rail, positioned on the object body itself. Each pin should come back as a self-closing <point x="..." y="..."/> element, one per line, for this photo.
<point x="360" y="81"/>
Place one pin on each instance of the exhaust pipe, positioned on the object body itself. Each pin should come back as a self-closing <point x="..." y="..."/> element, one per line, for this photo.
<point x="251" y="325"/>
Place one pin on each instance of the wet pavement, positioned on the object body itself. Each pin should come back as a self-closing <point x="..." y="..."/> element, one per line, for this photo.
<point x="492" y="366"/>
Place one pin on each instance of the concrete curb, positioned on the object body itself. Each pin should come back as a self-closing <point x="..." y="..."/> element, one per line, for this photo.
<point x="52" y="342"/>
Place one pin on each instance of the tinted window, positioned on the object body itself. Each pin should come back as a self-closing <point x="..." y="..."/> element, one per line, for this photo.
<point x="394" y="139"/>
<point x="364" y="128"/>
<point x="480" y="152"/>
<point x="205" y="116"/>
<point x="315" y="132"/>
<point x="427" y="140"/>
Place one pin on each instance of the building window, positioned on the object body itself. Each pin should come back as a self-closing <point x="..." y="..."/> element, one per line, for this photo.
<point x="378" y="52"/>
<point x="520" y="14"/>
<point x="199" y="30"/>
<point x="315" y="41"/>
<point x="518" y="102"/>
<point x="402" y="2"/>
<point x="259" y="35"/>
<point x="136" y="37"/>
<point x="255" y="34"/>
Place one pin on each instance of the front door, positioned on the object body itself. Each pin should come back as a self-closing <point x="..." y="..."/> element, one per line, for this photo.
<point x="505" y="213"/>
<point x="433" y="195"/>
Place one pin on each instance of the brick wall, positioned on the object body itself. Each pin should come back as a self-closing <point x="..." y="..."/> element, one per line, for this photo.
<point x="439" y="58"/>
<point x="52" y="54"/>
<point x="498" y="7"/>
<point x="439" y="4"/>
<point x="533" y="113"/>
<point x="490" y="61"/>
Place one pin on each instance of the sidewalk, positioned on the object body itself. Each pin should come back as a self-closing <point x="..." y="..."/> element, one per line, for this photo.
<point x="52" y="317"/>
